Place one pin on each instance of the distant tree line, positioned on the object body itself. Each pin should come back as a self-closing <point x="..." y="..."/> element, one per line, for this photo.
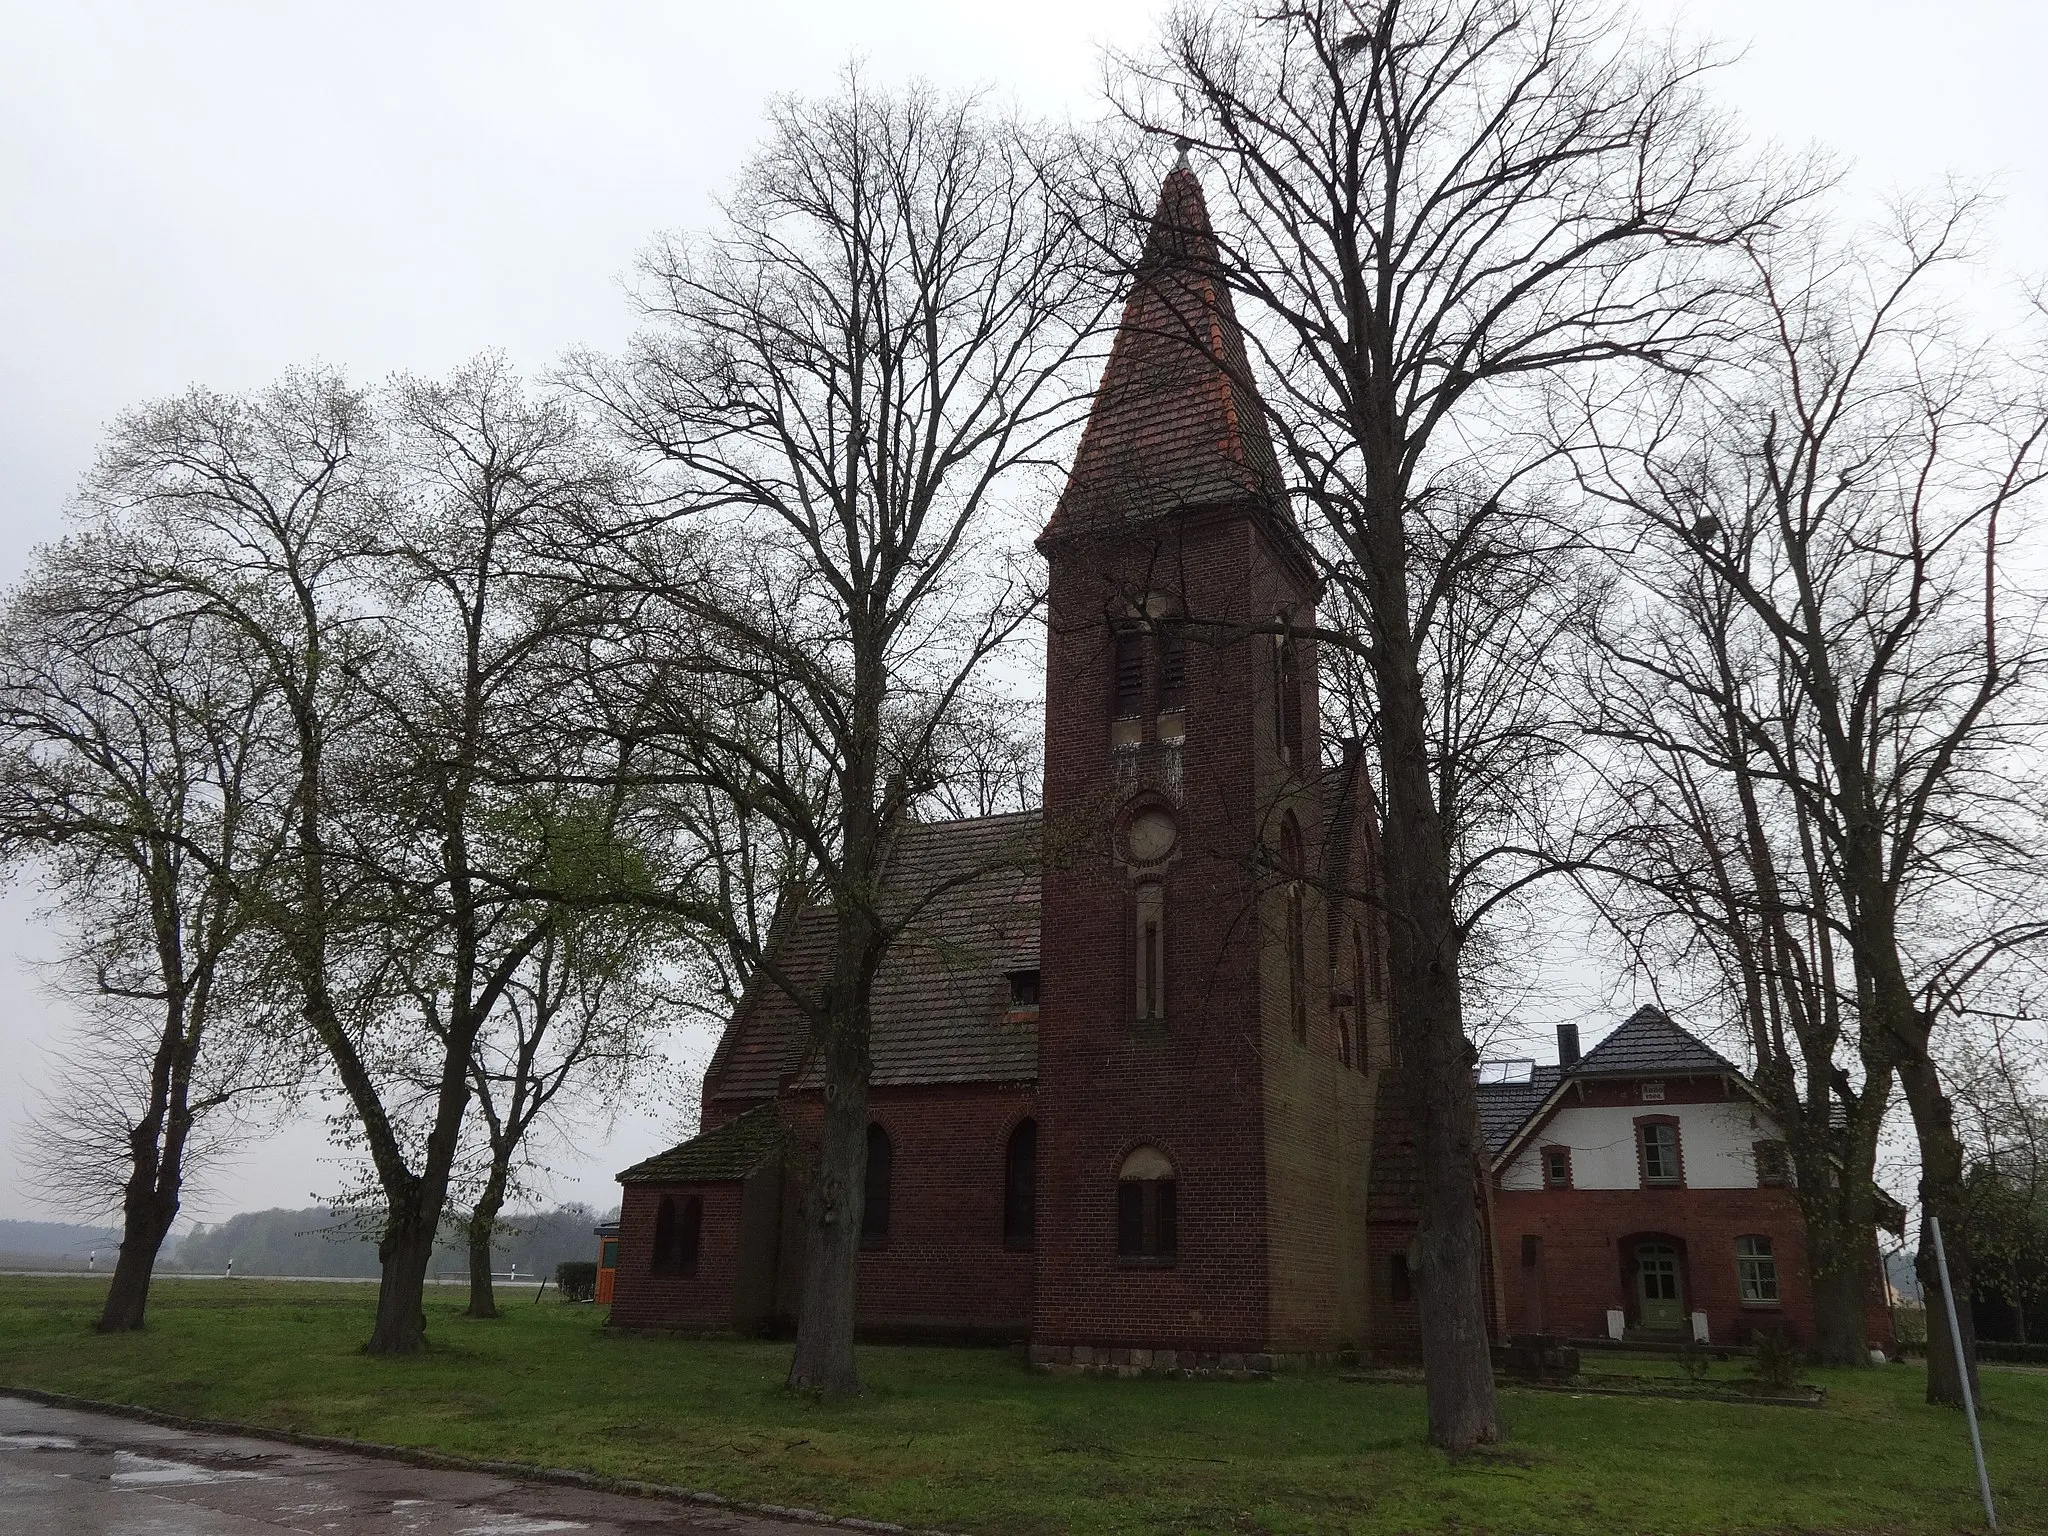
<point x="436" y="746"/>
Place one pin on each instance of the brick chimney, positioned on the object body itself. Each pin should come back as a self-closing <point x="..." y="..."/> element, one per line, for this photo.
<point x="1567" y="1045"/>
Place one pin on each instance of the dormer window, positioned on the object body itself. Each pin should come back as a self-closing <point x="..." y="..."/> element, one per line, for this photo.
<point x="1023" y="990"/>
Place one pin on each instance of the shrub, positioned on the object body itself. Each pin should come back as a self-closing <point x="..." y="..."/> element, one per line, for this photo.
<point x="1693" y="1361"/>
<point x="1775" y="1365"/>
<point x="2012" y="1354"/>
<point x="576" y="1280"/>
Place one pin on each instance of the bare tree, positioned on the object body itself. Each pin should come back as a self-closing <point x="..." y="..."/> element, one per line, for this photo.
<point x="1846" y="515"/>
<point x="576" y="1021"/>
<point x="841" y="389"/>
<point x="137" y="778"/>
<point x="1431" y="209"/>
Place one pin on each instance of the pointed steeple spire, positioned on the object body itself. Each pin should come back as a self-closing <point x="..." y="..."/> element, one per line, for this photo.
<point x="1177" y="425"/>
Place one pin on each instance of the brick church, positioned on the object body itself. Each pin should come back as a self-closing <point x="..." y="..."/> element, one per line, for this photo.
<point x="1132" y="1083"/>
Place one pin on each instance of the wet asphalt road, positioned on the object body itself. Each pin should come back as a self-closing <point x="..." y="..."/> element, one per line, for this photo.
<point x="85" y="1474"/>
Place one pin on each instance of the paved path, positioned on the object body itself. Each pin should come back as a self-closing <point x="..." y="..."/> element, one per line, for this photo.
<point x="89" y="1474"/>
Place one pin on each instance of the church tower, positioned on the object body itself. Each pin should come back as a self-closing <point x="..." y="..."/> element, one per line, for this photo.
<point x="1210" y="1034"/>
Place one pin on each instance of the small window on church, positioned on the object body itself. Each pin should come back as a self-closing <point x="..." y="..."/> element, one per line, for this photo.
<point x="1343" y="1040"/>
<point x="1173" y="667"/>
<point x="1147" y="1218"/>
<point x="1129" y="681"/>
<point x="1287" y="699"/>
<point x="874" y="1207"/>
<point x="1400" y="1288"/>
<point x="1020" y="1187"/>
<point x="1149" y="951"/>
<point x="1293" y="871"/>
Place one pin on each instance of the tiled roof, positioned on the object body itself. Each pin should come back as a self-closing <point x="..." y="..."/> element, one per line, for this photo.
<point x="732" y="1151"/>
<point x="1648" y="1043"/>
<point x="940" y="1005"/>
<point x="1504" y="1106"/>
<point x="1176" y="423"/>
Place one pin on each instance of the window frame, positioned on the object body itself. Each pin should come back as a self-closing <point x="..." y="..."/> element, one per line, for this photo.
<point x="1544" y="1155"/>
<point x="1782" y="1154"/>
<point x="1755" y="1270"/>
<point x="1294" y="870"/>
<point x="1676" y="1178"/>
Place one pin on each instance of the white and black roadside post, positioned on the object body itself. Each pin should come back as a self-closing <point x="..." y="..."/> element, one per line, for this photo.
<point x="1955" y="1338"/>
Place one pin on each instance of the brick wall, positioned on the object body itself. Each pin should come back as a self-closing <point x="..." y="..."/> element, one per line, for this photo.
<point x="699" y="1301"/>
<point x="1585" y="1232"/>
<point x="944" y="1271"/>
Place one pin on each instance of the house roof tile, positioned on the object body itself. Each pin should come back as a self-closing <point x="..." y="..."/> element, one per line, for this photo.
<point x="940" y="1004"/>
<point x="730" y="1151"/>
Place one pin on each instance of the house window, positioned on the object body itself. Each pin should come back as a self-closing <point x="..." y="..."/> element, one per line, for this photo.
<point x="1287" y="699"/>
<point x="1653" y="1093"/>
<point x="608" y="1254"/>
<point x="1399" y="1287"/>
<point x="874" y="1205"/>
<point x="1147" y="1219"/>
<point x="1020" y="1187"/>
<point x="1293" y="868"/>
<point x="1773" y="1167"/>
<point x="1756" y="1271"/>
<point x="1023" y="989"/>
<point x="1128" y="677"/>
<point x="1149" y="950"/>
<point x="677" y="1228"/>
<point x="1343" y="1040"/>
<point x="1557" y="1167"/>
<point x="1658" y="1140"/>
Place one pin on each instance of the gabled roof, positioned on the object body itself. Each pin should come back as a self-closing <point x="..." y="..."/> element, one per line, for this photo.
<point x="940" y="1004"/>
<point x="1647" y="1044"/>
<point x="732" y="1151"/>
<point x="1176" y="424"/>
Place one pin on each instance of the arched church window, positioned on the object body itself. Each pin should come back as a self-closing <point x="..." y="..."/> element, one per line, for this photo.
<point x="1147" y="1218"/>
<point x="1020" y="1187"/>
<point x="664" y="1236"/>
<point x="1149" y="950"/>
<point x="1128" y="676"/>
<point x="874" y="1209"/>
<point x="1173" y="666"/>
<point x="1293" y="871"/>
<point x="1287" y="699"/>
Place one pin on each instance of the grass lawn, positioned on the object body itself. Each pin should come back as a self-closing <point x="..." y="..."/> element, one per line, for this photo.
<point x="970" y="1440"/>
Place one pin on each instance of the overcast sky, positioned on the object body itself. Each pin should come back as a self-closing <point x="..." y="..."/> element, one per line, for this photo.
<point x="214" y="192"/>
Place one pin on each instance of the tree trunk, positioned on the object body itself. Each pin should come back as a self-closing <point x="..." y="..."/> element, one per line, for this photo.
<point x="1941" y="1194"/>
<point x="823" y="1361"/>
<point x="1457" y="1359"/>
<point x="403" y="1256"/>
<point x="483" y="1225"/>
<point x="144" y="1225"/>
<point x="1841" y="1290"/>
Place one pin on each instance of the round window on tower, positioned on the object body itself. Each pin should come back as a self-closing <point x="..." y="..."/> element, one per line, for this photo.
<point x="1149" y="835"/>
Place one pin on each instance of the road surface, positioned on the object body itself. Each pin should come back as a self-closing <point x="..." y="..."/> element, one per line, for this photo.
<point x="86" y="1474"/>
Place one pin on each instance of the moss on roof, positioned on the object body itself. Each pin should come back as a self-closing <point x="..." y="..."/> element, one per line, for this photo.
<point x="732" y="1151"/>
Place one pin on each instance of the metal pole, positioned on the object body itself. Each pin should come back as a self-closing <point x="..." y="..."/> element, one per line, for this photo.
<point x="1955" y="1337"/>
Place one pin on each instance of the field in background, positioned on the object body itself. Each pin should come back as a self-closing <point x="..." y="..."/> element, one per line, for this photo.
<point x="970" y="1440"/>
